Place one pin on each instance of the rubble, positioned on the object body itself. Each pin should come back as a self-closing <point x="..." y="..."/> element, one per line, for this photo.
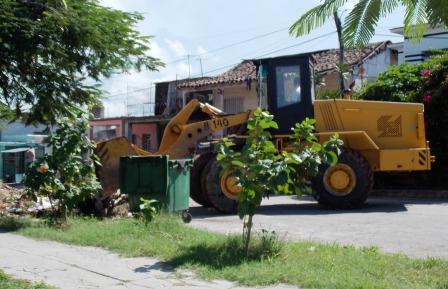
<point x="14" y="201"/>
<point x="120" y="205"/>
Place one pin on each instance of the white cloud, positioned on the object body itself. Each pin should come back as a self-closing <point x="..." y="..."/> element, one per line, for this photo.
<point x="176" y="47"/>
<point x="156" y="50"/>
<point x="201" y="50"/>
<point x="134" y="88"/>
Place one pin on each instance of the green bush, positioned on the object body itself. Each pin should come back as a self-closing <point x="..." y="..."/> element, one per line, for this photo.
<point x="67" y="175"/>
<point x="400" y="83"/>
<point x="261" y="169"/>
<point x="328" y="94"/>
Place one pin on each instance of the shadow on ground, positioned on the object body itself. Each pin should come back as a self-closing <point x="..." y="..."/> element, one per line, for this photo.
<point x="227" y="253"/>
<point x="373" y="205"/>
<point x="158" y="266"/>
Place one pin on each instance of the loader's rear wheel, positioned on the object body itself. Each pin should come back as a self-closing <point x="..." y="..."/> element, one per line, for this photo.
<point x="196" y="192"/>
<point x="212" y="181"/>
<point x="345" y="185"/>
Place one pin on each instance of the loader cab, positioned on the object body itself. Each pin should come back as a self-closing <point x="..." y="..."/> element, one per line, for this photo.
<point x="286" y="89"/>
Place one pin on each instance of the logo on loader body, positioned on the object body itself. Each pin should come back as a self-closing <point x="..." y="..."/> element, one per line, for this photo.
<point x="388" y="127"/>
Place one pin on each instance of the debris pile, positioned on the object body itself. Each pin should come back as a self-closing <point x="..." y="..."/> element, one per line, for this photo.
<point x="120" y="205"/>
<point x="9" y="199"/>
<point x="14" y="201"/>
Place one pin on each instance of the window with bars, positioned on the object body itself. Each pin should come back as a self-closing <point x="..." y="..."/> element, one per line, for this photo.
<point x="146" y="142"/>
<point x="233" y="104"/>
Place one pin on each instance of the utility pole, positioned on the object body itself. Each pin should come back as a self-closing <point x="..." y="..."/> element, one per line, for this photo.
<point x="188" y="56"/>
<point x="200" y="62"/>
<point x="337" y="21"/>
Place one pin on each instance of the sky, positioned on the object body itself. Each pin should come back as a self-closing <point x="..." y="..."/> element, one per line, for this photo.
<point x="207" y="37"/>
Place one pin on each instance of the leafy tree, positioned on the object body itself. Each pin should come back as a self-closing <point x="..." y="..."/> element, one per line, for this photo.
<point x="359" y="25"/>
<point x="261" y="169"/>
<point x="67" y="175"/>
<point x="51" y="49"/>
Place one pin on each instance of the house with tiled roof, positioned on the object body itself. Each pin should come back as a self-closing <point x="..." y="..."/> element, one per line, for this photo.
<point x="231" y="91"/>
<point x="236" y="89"/>
<point x="362" y="64"/>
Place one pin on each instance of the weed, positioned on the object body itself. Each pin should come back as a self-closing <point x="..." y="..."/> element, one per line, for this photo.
<point x="7" y="282"/>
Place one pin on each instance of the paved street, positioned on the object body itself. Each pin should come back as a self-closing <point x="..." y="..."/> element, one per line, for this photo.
<point x="418" y="228"/>
<point x="73" y="267"/>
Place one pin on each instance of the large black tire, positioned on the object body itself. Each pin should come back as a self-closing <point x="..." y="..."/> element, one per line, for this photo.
<point x="196" y="192"/>
<point x="356" y="196"/>
<point x="211" y="186"/>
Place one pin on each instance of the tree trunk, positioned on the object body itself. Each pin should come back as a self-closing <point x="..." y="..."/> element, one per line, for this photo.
<point x="247" y="235"/>
<point x="341" y="69"/>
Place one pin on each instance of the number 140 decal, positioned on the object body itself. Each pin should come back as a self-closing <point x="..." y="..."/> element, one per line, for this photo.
<point x="217" y="123"/>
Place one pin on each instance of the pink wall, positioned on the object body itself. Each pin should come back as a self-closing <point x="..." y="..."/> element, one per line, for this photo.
<point x="140" y="129"/>
<point x="118" y="122"/>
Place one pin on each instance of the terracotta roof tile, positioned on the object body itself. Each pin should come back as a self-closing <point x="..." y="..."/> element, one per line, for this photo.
<point x="325" y="62"/>
<point x="238" y="74"/>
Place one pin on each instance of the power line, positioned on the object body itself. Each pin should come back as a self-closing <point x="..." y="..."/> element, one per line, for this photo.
<point x="233" y="64"/>
<point x="238" y="31"/>
<point x="271" y="52"/>
<point x="130" y="91"/>
<point x="228" y="46"/>
<point x="219" y="68"/>
<point x="243" y="41"/>
<point x="295" y="45"/>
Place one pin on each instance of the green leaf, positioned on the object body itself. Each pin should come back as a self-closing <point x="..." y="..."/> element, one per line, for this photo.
<point x="238" y="163"/>
<point x="331" y="158"/>
<point x="415" y="20"/>
<point x="315" y="17"/>
<point x="316" y="147"/>
<point x="49" y="51"/>
<point x="359" y="26"/>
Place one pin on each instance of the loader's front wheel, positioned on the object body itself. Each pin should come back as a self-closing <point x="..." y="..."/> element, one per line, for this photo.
<point x="212" y="181"/>
<point x="345" y="185"/>
<point x="196" y="192"/>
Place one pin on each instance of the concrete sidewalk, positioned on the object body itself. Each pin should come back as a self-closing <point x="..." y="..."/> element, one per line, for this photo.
<point x="74" y="267"/>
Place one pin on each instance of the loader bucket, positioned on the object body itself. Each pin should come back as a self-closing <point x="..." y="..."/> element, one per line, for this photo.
<point x="109" y="153"/>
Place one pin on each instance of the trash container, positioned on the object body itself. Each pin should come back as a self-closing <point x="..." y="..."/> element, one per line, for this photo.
<point x="158" y="178"/>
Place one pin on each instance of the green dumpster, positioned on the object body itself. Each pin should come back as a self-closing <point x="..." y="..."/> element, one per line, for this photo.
<point x="158" y="178"/>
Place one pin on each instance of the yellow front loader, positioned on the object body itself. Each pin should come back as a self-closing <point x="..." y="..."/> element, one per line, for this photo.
<point x="180" y="139"/>
<point x="378" y="137"/>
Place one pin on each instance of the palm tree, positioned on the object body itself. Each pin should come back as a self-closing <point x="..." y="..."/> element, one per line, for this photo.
<point x="359" y="25"/>
<point x="337" y="22"/>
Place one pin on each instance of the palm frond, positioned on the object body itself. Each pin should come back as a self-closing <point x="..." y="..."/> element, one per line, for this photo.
<point x="416" y="18"/>
<point x="359" y="26"/>
<point x="388" y="6"/>
<point x="315" y="17"/>
<point x="437" y="12"/>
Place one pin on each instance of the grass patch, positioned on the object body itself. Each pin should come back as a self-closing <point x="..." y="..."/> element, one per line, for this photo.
<point x="7" y="282"/>
<point x="213" y="255"/>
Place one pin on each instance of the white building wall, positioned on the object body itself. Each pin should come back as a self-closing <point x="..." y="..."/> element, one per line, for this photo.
<point x="415" y="52"/>
<point x="368" y="71"/>
<point x="373" y="66"/>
